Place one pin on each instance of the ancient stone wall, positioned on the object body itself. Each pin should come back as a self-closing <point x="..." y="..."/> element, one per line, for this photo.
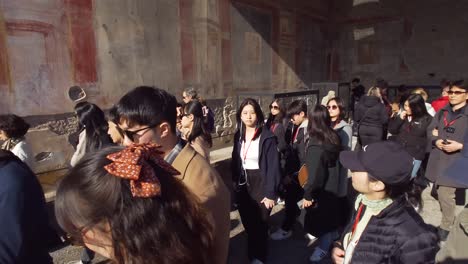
<point x="415" y="42"/>
<point x="107" y="47"/>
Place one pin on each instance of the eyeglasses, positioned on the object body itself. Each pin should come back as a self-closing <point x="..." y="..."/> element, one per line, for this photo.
<point x="455" y="92"/>
<point x="274" y="107"/>
<point x="131" y="134"/>
<point x="334" y="107"/>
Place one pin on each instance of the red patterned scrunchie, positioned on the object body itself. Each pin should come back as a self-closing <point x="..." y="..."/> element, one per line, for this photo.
<point x="132" y="163"/>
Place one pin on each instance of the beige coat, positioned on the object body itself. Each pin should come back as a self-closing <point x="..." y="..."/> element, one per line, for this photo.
<point x="201" y="147"/>
<point x="207" y="185"/>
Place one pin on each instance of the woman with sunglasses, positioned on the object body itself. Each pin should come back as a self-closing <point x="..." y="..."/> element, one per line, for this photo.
<point x="335" y="108"/>
<point x="126" y="205"/>
<point x="194" y="122"/>
<point x="276" y="122"/>
<point x="256" y="174"/>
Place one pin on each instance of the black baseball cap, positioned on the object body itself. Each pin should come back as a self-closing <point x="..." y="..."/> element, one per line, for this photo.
<point x="386" y="161"/>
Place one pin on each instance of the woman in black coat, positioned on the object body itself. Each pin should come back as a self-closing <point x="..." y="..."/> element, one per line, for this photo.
<point x="372" y="117"/>
<point x="256" y="175"/>
<point x="322" y="200"/>
<point x="409" y="129"/>
<point x="276" y="123"/>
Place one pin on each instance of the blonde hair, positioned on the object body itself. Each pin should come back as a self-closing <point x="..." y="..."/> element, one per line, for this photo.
<point x="375" y="91"/>
<point x="421" y="92"/>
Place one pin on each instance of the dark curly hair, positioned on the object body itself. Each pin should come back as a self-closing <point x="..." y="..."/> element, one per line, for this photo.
<point x="168" y="229"/>
<point x="13" y="126"/>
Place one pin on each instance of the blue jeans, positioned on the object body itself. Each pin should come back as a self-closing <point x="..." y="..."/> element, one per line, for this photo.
<point x="416" y="166"/>
<point x="325" y="241"/>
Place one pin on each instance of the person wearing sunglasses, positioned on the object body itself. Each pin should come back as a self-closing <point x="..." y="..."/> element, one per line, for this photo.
<point x="148" y="115"/>
<point x="277" y="124"/>
<point x="446" y="133"/>
<point x="335" y="108"/>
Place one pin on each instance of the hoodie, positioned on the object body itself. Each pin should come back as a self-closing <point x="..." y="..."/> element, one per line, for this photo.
<point x="371" y="112"/>
<point x="345" y="132"/>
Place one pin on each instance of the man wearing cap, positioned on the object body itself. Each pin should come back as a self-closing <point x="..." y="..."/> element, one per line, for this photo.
<point x="385" y="228"/>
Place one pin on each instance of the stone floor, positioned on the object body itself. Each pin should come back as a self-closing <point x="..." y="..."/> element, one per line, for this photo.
<point x="293" y="250"/>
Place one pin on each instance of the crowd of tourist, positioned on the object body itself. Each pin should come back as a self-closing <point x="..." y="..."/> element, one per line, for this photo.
<point x="141" y="188"/>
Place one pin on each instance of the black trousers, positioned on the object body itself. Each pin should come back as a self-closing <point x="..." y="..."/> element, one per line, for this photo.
<point x="293" y="194"/>
<point x="254" y="217"/>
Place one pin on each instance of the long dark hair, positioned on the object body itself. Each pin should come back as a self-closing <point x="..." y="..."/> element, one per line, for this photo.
<point x="280" y="117"/>
<point x="258" y="113"/>
<point x="170" y="228"/>
<point x="320" y="128"/>
<point x="340" y="103"/>
<point x="92" y="119"/>
<point x="417" y="104"/>
<point x="199" y="128"/>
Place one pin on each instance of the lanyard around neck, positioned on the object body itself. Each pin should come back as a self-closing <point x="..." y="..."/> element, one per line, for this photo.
<point x="246" y="149"/>
<point x="356" y="221"/>
<point x="446" y="123"/>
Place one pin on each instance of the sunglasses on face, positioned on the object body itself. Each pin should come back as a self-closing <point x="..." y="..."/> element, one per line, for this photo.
<point x="274" y="107"/>
<point x="455" y="92"/>
<point x="334" y="107"/>
<point x="131" y="134"/>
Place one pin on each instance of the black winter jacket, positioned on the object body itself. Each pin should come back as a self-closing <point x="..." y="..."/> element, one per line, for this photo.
<point x="412" y="135"/>
<point x="24" y="227"/>
<point x="398" y="235"/>
<point x="371" y="112"/>
<point x="269" y="163"/>
<point x="322" y="165"/>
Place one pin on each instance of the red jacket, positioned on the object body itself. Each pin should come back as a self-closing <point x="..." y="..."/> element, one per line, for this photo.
<point x="440" y="102"/>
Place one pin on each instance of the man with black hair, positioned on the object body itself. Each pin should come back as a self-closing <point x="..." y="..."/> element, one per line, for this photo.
<point x="148" y="114"/>
<point x="297" y="112"/>
<point x="446" y="133"/>
<point x="24" y="226"/>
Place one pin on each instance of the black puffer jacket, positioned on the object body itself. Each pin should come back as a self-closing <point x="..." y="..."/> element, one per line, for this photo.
<point x="397" y="235"/>
<point x="372" y="118"/>
<point x="412" y="135"/>
<point x="371" y="112"/>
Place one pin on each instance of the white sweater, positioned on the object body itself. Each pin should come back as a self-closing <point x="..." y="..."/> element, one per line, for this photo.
<point x="23" y="151"/>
